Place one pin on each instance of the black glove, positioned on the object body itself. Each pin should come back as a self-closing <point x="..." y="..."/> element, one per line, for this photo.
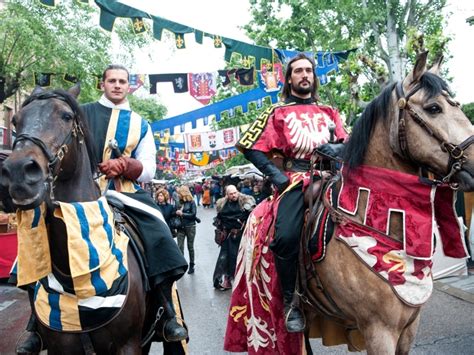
<point x="262" y="163"/>
<point x="332" y="150"/>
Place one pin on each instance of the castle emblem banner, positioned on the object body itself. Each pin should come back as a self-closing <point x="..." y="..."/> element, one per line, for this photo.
<point x="212" y="140"/>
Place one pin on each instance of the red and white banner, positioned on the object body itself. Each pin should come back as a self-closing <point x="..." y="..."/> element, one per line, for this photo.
<point x="210" y="141"/>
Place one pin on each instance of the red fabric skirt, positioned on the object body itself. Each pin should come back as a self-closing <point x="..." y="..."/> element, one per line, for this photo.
<point x="255" y="321"/>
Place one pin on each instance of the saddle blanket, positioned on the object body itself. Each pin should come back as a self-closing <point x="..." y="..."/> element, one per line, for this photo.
<point x="98" y="282"/>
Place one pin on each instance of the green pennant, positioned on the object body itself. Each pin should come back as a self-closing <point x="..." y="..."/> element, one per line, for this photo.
<point x="98" y="80"/>
<point x="70" y="78"/>
<point x="43" y="79"/>
<point x="111" y="9"/>
<point x="50" y="3"/>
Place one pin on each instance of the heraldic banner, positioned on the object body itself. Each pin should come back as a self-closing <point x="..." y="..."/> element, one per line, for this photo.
<point x="212" y="140"/>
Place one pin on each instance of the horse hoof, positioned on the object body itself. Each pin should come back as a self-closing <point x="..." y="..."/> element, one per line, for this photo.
<point x="173" y="331"/>
<point x="30" y="343"/>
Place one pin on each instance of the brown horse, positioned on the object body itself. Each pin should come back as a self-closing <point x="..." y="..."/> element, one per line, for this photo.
<point x="412" y="125"/>
<point x="52" y="161"/>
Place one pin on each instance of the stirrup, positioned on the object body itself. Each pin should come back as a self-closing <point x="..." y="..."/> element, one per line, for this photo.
<point x="184" y="326"/>
<point x="287" y="316"/>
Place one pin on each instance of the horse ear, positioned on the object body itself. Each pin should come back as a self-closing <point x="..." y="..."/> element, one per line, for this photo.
<point x="75" y="90"/>
<point x="436" y="68"/>
<point x="420" y="66"/>
<point x="37" y="90"/>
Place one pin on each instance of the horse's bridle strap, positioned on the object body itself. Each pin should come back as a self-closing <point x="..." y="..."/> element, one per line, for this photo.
<point x="456" y="152"/>
<point x="36" y="141"/>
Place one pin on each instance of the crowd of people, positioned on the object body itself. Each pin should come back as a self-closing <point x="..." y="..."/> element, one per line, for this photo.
<point x="134" y="165"/>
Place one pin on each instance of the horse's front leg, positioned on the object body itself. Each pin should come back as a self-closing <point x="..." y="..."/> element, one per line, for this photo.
<point x="379" y="339"/>
<point x="408" y="337"/>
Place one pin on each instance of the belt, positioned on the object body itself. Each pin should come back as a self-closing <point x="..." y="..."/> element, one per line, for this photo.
<point x="298" y="165"/>
<point x="303" y="165"/>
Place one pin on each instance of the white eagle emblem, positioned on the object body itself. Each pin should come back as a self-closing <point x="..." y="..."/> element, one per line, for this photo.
<point x="307" y="131"/>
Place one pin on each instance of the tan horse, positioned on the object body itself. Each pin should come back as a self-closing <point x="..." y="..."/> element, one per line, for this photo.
<point x="415" y="124"/>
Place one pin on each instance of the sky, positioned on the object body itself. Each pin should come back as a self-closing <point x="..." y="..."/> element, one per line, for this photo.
<point x="224" y="17"/>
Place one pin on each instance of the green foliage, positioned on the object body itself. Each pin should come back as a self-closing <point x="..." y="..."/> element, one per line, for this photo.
<point x="60" y="40"/>
<point x="468" y="110"/>
<point x="148" y="108"/>
<point x="320" y="25"/>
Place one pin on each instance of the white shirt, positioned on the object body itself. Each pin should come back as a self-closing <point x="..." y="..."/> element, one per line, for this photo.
<point x="145" y="152"/>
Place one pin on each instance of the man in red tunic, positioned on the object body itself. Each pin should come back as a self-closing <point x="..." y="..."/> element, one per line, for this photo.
<point x="291" y="130"/>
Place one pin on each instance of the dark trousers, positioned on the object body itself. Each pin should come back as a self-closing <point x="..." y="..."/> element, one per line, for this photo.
<point x="189" y="233"/>
<point x="164" y="259"/>
<point x="289" y="224"/>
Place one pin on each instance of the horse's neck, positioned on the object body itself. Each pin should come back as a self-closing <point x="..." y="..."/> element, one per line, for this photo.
<point x="380" y="154"/>
<point x="80" y="187"/>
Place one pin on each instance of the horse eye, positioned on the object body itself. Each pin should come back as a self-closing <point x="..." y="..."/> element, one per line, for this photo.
<point x="67" y="116"/>
<point x="433" y="109"/>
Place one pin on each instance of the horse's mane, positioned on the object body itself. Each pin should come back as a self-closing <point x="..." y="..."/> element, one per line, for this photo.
<point x="431" y="84"/>
<point x="72" y="102"/>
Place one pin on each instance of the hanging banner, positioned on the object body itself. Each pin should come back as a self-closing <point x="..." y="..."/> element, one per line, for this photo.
<point x="210" y="141"/>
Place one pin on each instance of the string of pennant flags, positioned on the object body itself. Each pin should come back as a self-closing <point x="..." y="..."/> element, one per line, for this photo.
<point x="254" y="63"/>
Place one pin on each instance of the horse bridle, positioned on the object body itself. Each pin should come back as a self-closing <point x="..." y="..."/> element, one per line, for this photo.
<point x="53" y="159"/>
<point x="456" y="152"/>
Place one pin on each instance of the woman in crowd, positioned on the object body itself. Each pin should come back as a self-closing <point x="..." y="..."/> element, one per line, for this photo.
<point x="186" y="209"/>
<point x="167" y="210"/>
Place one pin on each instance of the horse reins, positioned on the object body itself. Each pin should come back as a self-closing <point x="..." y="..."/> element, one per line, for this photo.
<point x="456" y="152"/>
<point x="53" y="159"/>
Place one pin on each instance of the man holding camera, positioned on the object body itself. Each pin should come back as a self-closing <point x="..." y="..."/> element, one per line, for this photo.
<point x="232" y="213"/>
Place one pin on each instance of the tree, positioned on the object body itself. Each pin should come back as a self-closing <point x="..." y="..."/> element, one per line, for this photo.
<point x="148" y="108"/>
<point x="61" y="40"/>
<point x="468" y="110"/>
<point x="387" y="33"/>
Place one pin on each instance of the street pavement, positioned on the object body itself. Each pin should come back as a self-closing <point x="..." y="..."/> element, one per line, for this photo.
<point x="446" y="325"/>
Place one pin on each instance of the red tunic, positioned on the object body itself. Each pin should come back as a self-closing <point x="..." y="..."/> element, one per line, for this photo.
<point x="294" y="130"/>
<point x="255" y="322"/>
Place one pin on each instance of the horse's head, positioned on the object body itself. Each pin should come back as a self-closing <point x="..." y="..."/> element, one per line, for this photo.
<point x="425" y="127"/>
<point x="430" y="129"/>
<point x="48" y="130"/>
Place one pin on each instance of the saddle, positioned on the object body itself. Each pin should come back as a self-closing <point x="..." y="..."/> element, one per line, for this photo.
<point x="330" y="321"/>
<point x="126" y="224"/>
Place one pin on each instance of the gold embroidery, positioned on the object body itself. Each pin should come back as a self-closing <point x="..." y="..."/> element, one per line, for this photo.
<point x="250" y="136"/>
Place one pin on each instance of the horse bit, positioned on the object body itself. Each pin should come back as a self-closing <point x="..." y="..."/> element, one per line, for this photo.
<point x="53" y="160"/>
<point x="456" y="152"/>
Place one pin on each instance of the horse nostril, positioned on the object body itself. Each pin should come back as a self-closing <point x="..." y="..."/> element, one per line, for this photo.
<point x="4" y="177"/>
<point x="33" y="172"/>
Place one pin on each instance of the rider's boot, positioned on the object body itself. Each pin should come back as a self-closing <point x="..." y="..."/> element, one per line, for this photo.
<point x="286" y="269"/>
<point x="30" y="341"/>
<point x="172" y="330"/>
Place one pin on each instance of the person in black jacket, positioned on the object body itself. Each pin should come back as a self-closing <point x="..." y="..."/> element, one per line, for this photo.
<point x="187" y="210"/>
<point x="167" y="209"/>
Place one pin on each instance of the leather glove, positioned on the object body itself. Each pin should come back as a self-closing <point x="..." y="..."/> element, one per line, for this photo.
<point x="262" y="163"/>
<point x="127" y="167"/>
<point x="332" y="150"/>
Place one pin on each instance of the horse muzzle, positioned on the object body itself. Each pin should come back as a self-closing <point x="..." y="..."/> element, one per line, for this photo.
<point x="25" y="182"/>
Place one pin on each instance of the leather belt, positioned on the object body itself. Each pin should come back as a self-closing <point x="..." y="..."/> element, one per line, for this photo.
<point x="298" y="165"/>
